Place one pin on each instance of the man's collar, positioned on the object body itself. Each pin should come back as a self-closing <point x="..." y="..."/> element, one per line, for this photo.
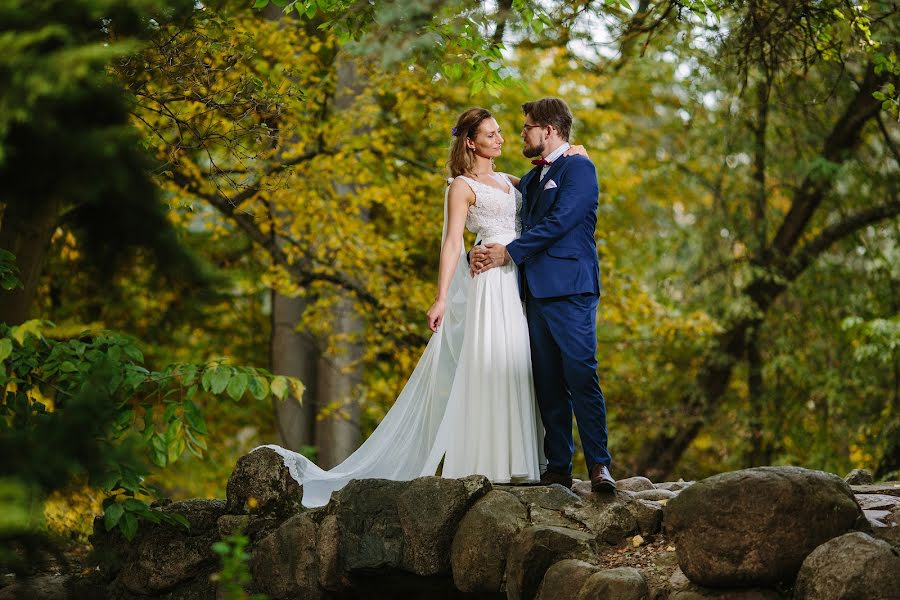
<point x="558" y="152"/>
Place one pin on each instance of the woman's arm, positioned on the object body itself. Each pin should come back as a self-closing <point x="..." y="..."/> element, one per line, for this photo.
<point x="459" y="199"/>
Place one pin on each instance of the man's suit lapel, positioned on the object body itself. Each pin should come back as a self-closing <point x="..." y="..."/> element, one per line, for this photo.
<point x="534" y="202"/>
<point x="527" y="200"/>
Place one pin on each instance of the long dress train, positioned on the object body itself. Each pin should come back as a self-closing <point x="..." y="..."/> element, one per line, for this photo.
<point x="470" y="400"/>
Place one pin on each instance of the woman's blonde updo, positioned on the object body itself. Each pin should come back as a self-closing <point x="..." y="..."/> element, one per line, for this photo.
<point x="462" y="158"/>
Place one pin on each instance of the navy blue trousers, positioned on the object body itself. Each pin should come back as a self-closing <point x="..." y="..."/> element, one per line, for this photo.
<point x="563" y="335"/>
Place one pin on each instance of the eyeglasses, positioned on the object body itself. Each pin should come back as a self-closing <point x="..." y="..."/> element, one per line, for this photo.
<point x="526" y="126"/>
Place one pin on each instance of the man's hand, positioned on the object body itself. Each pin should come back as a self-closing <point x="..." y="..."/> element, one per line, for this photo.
<point x="487" y="257"/>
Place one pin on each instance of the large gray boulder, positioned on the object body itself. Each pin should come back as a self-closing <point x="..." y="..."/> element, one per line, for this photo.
<point x="622" y="583"/>
<point x="368" y="531"/>
<point x="284" y="565"/>
<point x="430" y="510"/>
<point x="262" y="485"/>
<point x="479" y="549"/>
<point x="564" y="580"/>
<point x="756" y="526"/>
<point x="532" y="552"/>
<point x="404" y="525"/>
<point x="854" y="566"/>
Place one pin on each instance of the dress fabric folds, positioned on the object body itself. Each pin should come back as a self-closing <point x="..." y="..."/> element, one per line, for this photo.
<point x="470" y="400"/>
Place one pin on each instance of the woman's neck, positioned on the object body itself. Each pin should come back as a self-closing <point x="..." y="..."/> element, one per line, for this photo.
<point x="482" y="166"/>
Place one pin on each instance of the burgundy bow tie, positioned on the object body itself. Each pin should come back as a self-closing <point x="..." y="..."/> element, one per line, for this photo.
<point x="541" y="161"/>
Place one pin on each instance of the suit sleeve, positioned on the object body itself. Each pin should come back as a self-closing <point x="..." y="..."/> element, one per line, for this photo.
<point x="576" y="198"/>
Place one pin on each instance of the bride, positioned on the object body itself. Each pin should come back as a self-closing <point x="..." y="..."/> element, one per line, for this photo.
<point x="470" y="400"/>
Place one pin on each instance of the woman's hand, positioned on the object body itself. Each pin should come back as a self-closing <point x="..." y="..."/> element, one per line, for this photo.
<point x="579" y="150"/>
<point x="435" y="314"/>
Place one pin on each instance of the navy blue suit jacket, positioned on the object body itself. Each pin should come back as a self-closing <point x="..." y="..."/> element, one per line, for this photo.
<point x="556" y="253"/>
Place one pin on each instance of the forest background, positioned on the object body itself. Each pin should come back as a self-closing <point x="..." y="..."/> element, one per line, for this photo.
<point x="221" y="226"/>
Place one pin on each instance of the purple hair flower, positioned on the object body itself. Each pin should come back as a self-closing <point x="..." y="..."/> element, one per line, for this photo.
<point x="453" y="132"/>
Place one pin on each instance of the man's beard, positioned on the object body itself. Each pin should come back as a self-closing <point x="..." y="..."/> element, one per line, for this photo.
<point x="533" y="151"/>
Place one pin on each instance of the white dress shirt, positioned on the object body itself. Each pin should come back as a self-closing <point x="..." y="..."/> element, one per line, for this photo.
<point x="553" y="156"/>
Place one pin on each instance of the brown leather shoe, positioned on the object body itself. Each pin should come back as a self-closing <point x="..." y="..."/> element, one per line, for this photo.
<point x="601" y="480"/>
<point x="550" y="477"/>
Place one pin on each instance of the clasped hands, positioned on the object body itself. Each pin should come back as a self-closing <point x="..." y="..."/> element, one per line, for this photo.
<point x="487" y="256"/>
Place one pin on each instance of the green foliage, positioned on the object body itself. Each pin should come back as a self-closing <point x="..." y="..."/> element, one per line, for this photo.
<point x="9" y="272"/>
<point x="234" y="575"/>
<point x="151" y="413"/>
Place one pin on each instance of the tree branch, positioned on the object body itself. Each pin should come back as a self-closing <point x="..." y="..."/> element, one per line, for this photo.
<point x="808" y="253"/>
<point x="844" y="137"/>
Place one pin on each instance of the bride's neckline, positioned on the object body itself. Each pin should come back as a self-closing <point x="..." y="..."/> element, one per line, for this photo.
<point x="506" y="189"/>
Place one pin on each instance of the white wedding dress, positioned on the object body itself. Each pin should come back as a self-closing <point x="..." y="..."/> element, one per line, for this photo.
<point x="470" y="400"/>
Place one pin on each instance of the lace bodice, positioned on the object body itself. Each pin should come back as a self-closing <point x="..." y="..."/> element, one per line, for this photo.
<point x="495" y="214"/>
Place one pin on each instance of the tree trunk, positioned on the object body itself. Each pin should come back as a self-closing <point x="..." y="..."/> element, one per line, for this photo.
<point x="337" y="423"/>
<point x="338" y="431"/>
<point x="26" y="231"/>
<point x="294" y="354"/>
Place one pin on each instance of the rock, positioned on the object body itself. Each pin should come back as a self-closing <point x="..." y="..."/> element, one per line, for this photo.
<point x="623" y="583"/>
<point x="878" y="502"/>
<point x="42" y="587"/>
<point x="547" y="504"/>
<point x="162" y="556"/>
<point x="888" y="488"/>
<point x="635" y="484"/>
<point x="332" y="576"/>
<point x="430" y="510"/>
<point x="534" y="549"/>
<point x="648" y="515"/>
<point x="681" y="588"/>
<point x="284" y="565"/>
<point x="673" y="486"/>
<point x="754" y="527"/>
<point x="609" y="517"/>
<point x="852" y="566"/>
<point x="261" y="484"/>
<point x="479" y="549"/>
<point x="859" y="477"/>
<point x="231" y="524"/>
<point x="654" y="495"/>
<point x="564" y="579"/>
<point x="369" y="533"/>
<point x="695" y="592"/>
<point x="549" y="497"/>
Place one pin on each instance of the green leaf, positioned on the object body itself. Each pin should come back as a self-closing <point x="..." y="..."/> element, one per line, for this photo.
<point x="5" y="348"/>
<point x="221" y="548"/>
<point x="279" y="386"/>
<point x="237" y="386"/>
<point x="112" y="515"/>
<point x="261" y="3"/>
<point x="258" y="386"/>
<point x="220" y="378"/>
<point x="134" y="354"/>
<point x="135" y="505"/>
<point x="206" y="379"/>
<point x="129" y="525"/>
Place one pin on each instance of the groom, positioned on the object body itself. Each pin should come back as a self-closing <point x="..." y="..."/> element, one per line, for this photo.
<point x="559" y="280"/>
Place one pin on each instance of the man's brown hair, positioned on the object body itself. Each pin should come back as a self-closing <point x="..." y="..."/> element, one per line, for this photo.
<point x="550" y="111"/>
